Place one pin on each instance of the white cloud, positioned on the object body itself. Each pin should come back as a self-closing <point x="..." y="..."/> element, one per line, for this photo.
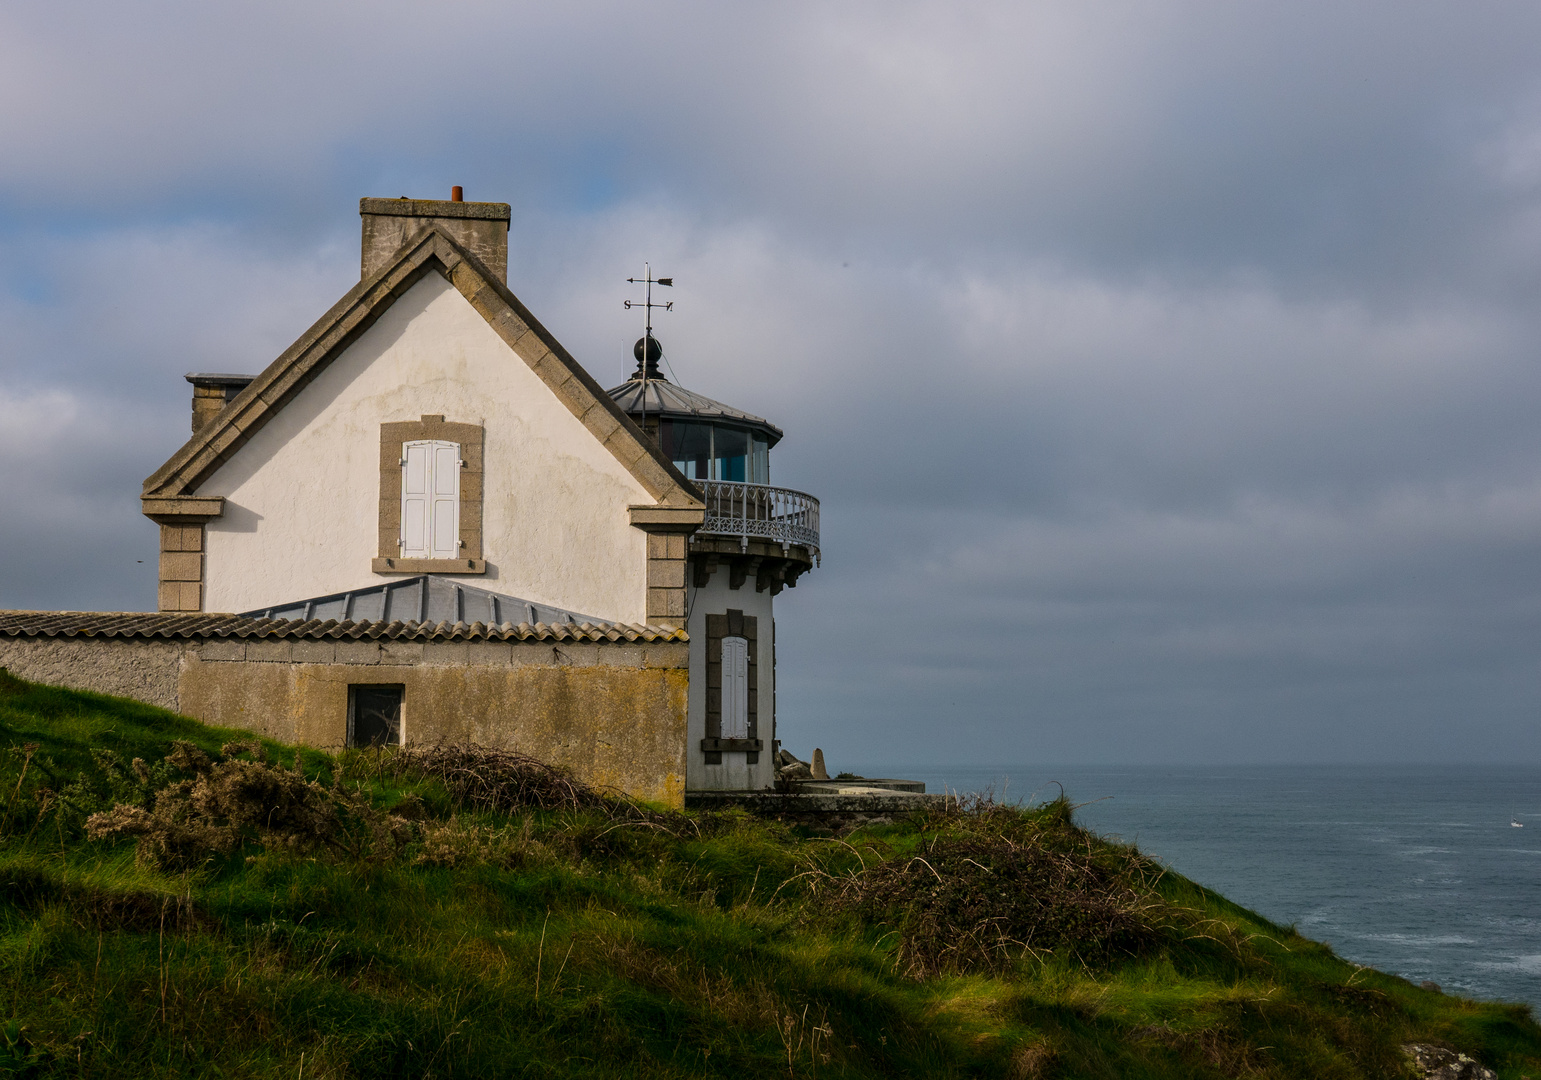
<point x="31" y="425"/>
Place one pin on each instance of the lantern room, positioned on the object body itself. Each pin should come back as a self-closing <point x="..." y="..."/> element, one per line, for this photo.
<point x="705" y="439"/>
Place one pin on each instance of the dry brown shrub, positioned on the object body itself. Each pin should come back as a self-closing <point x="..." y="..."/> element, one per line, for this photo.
<point x="452" y="844"/>
<point x="282" y="807"/>
<point x="241" y="797"/>
<point x="230" y="800"/>
<point x="187" y="757"/>
<point x="1000" y="889"/>
<point x="489" y="778"/>
<point x="168" y="837"/>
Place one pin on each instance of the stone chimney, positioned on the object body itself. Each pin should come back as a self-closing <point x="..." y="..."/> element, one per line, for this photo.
<point x="211" y="392"/>
<point x="480" y="228"/>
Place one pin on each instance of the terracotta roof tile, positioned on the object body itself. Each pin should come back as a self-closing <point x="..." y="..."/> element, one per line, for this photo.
<point x="134" y="624"/>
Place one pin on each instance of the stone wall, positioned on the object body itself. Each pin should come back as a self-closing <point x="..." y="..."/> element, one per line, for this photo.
<point x="147" y="671"/>
<point x="614" y="713"/>
<point x="480" y="228"/>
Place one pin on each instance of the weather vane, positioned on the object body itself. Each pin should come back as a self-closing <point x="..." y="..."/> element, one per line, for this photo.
<point x="647" y="346"/>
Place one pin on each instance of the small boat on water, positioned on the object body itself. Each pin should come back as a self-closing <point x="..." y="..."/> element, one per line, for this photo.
<point x="1514" y="822"/>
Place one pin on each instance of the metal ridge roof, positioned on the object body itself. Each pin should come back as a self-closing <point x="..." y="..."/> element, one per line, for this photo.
<point x="659" y="397"/>
<point x="178" y="626"/>
<point x="425" y="598"/>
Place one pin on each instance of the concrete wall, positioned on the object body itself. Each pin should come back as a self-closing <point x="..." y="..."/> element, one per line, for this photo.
<point x="148" y="671"/>
<point x="614" y="713"/>
<point x="301" y="511"/>
<point x="734" y="773"/>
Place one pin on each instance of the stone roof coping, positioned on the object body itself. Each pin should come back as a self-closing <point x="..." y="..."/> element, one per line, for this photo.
<point x="214" y="378"/>
<point x="439" y="208"/>
<point x="430" y="250"/>
<point x="188" y="626"/>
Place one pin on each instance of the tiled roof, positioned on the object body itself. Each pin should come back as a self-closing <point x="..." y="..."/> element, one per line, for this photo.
<point x="133" y="624"/>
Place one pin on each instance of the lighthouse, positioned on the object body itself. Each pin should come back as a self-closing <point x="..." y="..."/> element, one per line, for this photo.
<point x="756" y="540"/>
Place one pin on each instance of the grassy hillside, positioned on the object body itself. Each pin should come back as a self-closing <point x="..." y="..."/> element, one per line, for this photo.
<point x="172" y="908"/>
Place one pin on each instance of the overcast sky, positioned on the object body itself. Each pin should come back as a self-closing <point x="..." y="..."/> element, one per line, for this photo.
<point x="1168" y="372"/>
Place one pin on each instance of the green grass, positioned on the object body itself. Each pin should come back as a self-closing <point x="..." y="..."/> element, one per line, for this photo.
<point x="609" y="940"/>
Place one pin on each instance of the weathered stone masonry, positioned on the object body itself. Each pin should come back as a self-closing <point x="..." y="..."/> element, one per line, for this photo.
<point x="607" y="702"/>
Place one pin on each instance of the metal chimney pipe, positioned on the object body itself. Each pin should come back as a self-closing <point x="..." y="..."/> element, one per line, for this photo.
<point x="456" y="194"/>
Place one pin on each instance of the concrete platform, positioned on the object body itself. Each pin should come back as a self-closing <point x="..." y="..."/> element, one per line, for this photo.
<point x="857" y="787"/>
<point x="844" y="804"/>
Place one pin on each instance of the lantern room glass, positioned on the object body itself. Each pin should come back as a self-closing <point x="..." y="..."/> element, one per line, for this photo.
<point x="716" y="452"/>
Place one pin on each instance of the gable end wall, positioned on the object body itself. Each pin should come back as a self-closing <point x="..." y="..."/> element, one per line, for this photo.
<point x="302" y="511"/>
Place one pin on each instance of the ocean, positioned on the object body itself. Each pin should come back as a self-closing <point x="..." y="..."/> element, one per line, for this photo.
<point x="1415" y="870"/>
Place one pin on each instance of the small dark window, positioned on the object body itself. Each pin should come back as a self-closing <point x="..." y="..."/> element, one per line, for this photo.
<point x="374" y="715"/>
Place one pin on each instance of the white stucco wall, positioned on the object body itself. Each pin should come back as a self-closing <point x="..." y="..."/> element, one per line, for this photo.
<point x="302" y="496"/>
<point x="733" y="774"/>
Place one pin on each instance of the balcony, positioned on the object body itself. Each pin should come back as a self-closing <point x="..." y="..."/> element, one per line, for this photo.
<point x="760" y="512"/>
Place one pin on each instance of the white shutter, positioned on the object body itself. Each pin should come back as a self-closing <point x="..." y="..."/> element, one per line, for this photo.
<point x="430" y="500"/>
<point x="735" y="688"/>
<point x="445" y="515"/>
<point x="416" y="483"/>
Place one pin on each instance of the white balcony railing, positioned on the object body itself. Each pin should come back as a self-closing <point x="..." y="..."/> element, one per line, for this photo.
<point x="760" y="512"/>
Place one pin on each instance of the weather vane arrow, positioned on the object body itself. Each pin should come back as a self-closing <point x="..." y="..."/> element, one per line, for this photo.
<point x="648" y="344"/>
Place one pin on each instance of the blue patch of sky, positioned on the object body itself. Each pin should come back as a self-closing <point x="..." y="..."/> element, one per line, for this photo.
<point x="596" y="189"/>
<point x="30" y="286"/>
<point x="527" y="169"/>
<point x="590" y="176"/>
<point x="215" y="200"/>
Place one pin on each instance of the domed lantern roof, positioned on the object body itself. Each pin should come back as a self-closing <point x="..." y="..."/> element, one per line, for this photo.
<point x="648" y="395"/>
<point x="705" y="439"/>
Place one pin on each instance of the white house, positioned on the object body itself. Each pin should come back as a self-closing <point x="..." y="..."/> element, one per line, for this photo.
<point x="427" y="453"/>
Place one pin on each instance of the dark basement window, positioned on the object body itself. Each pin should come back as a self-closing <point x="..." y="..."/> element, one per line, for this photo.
<point x="374" y="715"/>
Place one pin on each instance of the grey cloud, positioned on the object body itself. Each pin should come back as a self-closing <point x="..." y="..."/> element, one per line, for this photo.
<point x="1287" y="137"/>
<point x="1168" y="372"/>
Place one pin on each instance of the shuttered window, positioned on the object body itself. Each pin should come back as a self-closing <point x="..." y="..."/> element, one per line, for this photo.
<point x="735" y="688"/>
<point x="430" y="500"/>
<point x="732" y="691"/>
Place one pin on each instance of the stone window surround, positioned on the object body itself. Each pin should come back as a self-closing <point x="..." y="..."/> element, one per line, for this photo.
<point x="431" y="427"/>
<point x="732" y="624"/>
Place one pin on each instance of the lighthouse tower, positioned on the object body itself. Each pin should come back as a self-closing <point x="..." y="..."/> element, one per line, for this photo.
<point x="756" y="540"/>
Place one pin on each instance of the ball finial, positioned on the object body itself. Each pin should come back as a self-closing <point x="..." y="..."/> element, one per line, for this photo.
<point x="647" y="351"/>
